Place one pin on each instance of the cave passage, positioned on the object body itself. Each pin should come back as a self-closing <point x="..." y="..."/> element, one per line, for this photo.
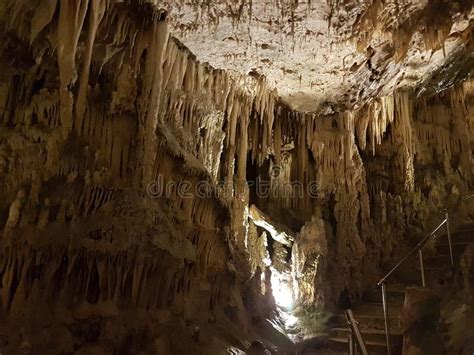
<point x="231" y="177"/>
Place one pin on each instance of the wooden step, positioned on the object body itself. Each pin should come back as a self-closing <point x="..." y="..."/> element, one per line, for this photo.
<point x="321" y="345"/>
<point x="467" y="226"/>
<point x="377" y="335"/>
<point x="373" y="347"/>
<point x="458" y="248"/>
<point x="436" y="267"/>
<point x="368" y="321"/>
<point x="409" y="275"/>
<point x="338" y="345"/>
<point x="465" y="235"/>
<point x="376" y="308"/>
<point x="441" y="259"/>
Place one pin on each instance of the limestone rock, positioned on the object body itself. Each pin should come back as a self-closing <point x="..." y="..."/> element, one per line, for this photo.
<point x="153" y="153"/>
<point x="421" y="322"/>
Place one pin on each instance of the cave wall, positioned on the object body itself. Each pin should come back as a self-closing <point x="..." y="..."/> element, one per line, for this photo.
<point x="371" y="182"/>
<point x="108" y="128"/>
<point x="374" y="180"/>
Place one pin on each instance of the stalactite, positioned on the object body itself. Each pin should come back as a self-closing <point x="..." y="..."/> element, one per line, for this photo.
<point x="68" y="33"/>
<point x="96" y="10"/>
<point x="42" y="17"/>
<point x="155" y="73"/>
<point x="243" y="125"/>
<point x="277" y="141"/>
<point x="91" y="230"/>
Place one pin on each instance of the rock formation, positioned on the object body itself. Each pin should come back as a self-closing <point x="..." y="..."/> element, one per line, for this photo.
<point x="420" y="315"/>
<point x="157" y="163"/>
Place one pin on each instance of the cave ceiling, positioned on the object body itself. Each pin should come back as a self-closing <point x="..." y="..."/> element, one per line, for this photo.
<point x="327" y="55"/>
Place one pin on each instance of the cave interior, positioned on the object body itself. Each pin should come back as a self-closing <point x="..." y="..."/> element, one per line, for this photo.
<point x="236" y="177"/>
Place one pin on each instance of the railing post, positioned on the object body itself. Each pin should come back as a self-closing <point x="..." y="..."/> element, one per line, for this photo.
<point x="357" y="338"/>
<point x="418" y="247"/>
<point x="422" y="268"/>
<point x="351" y="344"/>
<point x="449" y="240"/>
<point x="385" y="314"/>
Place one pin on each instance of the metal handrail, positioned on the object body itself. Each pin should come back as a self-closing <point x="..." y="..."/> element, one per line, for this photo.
<point x="412" y="251"/>
<point x="417" y="248"/>
<point x="355" y="337"/>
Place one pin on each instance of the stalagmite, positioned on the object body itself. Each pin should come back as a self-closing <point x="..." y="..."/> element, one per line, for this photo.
<point x="310" y="256"/>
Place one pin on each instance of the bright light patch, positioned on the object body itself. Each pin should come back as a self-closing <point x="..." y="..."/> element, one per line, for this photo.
<point x="281" y="289"/>
<point x="289" y="320"/>
<point x="234" y="351"/>
<point x="283" y="296"/>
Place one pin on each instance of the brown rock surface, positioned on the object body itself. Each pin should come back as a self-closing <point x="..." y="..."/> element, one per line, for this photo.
<point x="421" y="321"/>
<point x="135" y="137"/>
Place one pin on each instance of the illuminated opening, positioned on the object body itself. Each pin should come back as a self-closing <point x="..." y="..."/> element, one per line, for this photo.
<point x="281" y="289"/>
